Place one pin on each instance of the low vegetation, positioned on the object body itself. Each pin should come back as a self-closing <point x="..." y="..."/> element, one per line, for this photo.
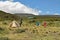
<point x="29" y="30"/>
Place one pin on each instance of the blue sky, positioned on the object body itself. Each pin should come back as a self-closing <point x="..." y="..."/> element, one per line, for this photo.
<point x="46" y="6"/>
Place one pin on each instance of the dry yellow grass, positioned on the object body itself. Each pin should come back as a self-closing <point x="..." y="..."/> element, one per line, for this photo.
<point x="30" y="32"/>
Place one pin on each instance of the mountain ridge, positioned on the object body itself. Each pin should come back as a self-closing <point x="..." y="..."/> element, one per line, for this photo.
<point x="7" y="16"/>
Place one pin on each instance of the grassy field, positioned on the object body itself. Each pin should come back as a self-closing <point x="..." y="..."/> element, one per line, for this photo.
<point x="29" y="31"/>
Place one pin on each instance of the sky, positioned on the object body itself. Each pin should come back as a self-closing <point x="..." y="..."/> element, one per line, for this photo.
<point x="37" y="7"/>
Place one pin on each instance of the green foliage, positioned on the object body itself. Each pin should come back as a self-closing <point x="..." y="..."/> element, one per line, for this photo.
<point x="29" y="31"/>
<point x="4" y="38"/>
<point x="8" y="16"/>
<point x="34" y="31"/>
<point x="1" y="29"/>
<point x="20" y="30"/>
<point x="4" y="23"/>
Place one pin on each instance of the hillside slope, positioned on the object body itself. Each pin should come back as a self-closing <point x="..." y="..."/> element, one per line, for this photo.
<point x="40" y="17"/>
<point x="7" y="16"/>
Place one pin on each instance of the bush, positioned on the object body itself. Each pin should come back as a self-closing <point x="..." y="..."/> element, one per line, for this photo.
<point x="1" y="29"/>
<point x="20" y="30"/>
<point x="4" y="38"/>
<point x="4" y="23"/>
<point x="34" y="31"/>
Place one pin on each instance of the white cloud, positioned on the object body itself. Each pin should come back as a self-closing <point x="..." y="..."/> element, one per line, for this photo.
<point x="9" y="0"/>
<point x="17" y="7"/>
<point x="6" y="0"/>
<point x="56" y="14"/>
<point x="40" y="11"/>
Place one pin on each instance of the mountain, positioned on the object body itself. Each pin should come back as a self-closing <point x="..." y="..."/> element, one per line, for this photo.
<point x="7" y="16"/>
<point x="24" y="14"/>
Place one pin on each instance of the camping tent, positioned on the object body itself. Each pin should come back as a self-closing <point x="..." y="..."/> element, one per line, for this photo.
<point x="14" y="24"/>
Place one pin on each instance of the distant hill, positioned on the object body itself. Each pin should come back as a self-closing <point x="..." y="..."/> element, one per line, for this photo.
<point x="7" y="16"/>
<point x="40" y="17"/>
<point x="24" y="14"/>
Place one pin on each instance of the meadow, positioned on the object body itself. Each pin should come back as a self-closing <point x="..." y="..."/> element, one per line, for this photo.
<point x="29" y="31"/>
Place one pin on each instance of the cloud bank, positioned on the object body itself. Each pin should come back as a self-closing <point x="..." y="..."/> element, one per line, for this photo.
<point x="16" y="7"/>
<point x="6" y="0"/>
<point x="56" y="14"/>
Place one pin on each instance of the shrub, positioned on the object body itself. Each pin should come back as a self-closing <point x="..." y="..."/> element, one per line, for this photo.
<point x="4" y="23"/>
<point x="34" y="31"/>
<point x="1" y="29"/>
<point x="20" y="30"/>
<point x="54" y="32"/>
<point x="46" y="32"/>
<point x="4" y="38"/>
<point x="44" y="35"/>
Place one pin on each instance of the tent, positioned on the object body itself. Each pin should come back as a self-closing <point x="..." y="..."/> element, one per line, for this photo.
<point x="14" y="24"/>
